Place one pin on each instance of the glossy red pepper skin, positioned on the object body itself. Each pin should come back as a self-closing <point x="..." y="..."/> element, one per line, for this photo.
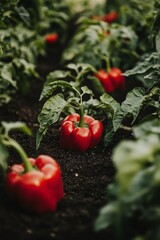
<point x="105" y="80"/>
<point x="37" y="190"/>
<point x="80" y="138"/>
<point x="51" y="38"/>
<point x="117" y="78"/>
<point x="112" y="80"/>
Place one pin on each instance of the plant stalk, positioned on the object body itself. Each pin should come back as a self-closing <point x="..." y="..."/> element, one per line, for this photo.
<point x="21" y="152"/>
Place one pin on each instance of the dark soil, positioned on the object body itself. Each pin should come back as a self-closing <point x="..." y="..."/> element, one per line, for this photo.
<point x="85" y="176"/>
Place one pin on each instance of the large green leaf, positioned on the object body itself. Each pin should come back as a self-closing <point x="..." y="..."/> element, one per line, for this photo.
<point x="55" y="80"/>
<point x="147" y="62"/>
<point x="148" y="127"/>
<point x="24" y="14"/>
<point x="133" y="103"/>
<point x="50" y="114"/>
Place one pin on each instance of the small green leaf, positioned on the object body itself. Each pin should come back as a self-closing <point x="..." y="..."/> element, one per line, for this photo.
<point x="81" y="67"/>
<point x="86" y="90"/>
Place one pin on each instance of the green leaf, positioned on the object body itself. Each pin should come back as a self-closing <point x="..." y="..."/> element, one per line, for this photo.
<point x="96" y="84"/>
<point x="3" y="157"/>
<point x="50" y="114"/>
<point x="6" y="74"/>
<point x="147" y="62"/>
<point x="140" y="187"/>
<point x="133" y="102"/>
<point x="106" y="216"/>
<point x="4" y="98"/>
<point x="24" y="14"/>
<point x="147" y="128"/>
<point x="86" y="90"/>
<point x="131" y="156"/>
<point x="81" y="67"/>
<point x="109" y="133"/>
<point x="112" y="106"/>
<point x="54" y="80"/>
<point x="16" y="126"/>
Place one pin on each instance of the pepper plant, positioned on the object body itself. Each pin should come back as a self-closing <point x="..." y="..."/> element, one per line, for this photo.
<point x="78" y="131"/>
<point x="24" y="26"/>
<point x="95" y="39"/>
<point x="132" y="211"/>
<point x="36" y="184"/>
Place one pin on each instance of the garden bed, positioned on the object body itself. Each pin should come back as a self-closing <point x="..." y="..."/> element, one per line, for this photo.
<point x="85" y="177"/>
<point x="65" y="63"/>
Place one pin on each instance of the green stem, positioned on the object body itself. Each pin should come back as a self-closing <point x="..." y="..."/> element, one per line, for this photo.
<point x="81" y="122"/>
<point x="38" y="4"/>
<point x="128" y="129"/>
<point x="23" y="155"/>
<point x="108" y="66"/>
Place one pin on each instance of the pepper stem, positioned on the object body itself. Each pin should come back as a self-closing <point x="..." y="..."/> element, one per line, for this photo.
<point x="81" y="122"/>
<point x="21" y="152"/>
<point x="108" y="66"/>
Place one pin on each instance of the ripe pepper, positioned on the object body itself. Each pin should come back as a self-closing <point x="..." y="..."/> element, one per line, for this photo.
<point x="111" y="80"/>
<point x="105" y="80"/>
<point x="39" y="188"/>
<point x="117" y="78"/>
<point x="51" y="38"/>
<point x="110" y="17"/>
<point x="77" y="136"/>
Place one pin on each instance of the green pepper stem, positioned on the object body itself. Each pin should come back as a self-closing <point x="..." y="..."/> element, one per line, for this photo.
<point x="108" y="66"/>
<point x="81" y="122"/>
<point x="23" y="155"/>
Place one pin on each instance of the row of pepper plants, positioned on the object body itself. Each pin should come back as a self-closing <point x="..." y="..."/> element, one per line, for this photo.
<point x="109" y="82"/>
<point x="27" y="28"/>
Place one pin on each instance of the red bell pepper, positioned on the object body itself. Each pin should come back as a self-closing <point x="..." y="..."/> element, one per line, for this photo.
<point x="111" y="80"/>
<point x="117" y="78"/>
<point x="38" y="189"/>
<point x="51" y="38"/>
<point x="105" y="80"/>
<point x="110" y="17"/>
<point x="36" y="184"/>
<point x="80" y="132"/>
